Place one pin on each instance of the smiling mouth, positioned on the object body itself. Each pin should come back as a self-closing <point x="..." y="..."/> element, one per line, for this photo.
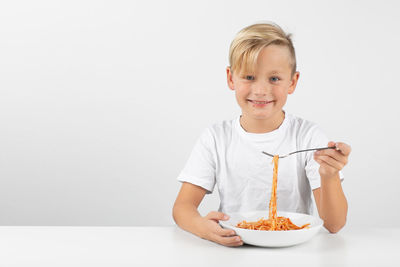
<point x="259" y="102"/>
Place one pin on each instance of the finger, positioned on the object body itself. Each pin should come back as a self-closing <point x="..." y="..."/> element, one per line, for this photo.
<point x="331" y="162"/>
<point x="344" y="148"/>
<point x="238" y="244"/>
<point x="331" y="144"/>
<point x="216" y="215"/>
<point x="228" y="241"/>
<point x="337" y="155"/>
<point x="325" y="164"/>
<point x="225" y="232"/>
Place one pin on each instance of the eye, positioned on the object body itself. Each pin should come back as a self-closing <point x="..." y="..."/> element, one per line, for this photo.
<point x="249" y="77"/>
<point x="275" y="79"/>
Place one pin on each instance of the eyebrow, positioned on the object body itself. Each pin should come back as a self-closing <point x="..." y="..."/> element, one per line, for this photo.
<point x="271" y="72"/>
<point x="274" y="72"/>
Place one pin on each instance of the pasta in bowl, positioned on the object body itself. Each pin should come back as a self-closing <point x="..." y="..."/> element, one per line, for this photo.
<point x="276" y="238"/>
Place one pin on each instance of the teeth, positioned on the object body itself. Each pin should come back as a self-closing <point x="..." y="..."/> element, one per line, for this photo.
<point x="260" y="102"/>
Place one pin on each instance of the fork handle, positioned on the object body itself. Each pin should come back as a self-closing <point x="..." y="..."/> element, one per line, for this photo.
<point x="311" y="149"/>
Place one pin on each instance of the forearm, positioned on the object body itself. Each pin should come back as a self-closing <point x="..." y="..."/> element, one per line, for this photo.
<point x="187" y="217"/>
<point x="333" y="203"/>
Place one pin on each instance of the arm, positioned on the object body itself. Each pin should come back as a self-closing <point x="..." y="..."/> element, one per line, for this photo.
<point x="329" y="198"/>
<point x="187" y="217"/>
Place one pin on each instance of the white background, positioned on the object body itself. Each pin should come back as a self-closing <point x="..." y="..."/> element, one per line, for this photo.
<point x="101" y="102"/>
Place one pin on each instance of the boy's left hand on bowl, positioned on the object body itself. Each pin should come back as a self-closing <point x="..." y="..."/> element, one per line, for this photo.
<point x="331" y="161"/>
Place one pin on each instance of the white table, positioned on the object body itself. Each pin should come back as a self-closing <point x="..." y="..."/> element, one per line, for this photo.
<point x="171" y="246"/>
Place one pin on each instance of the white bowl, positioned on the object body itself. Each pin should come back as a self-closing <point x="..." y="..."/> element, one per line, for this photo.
<point x="274" y="238"/>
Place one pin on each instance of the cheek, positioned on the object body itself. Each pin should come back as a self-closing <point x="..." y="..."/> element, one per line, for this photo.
<point x="242" y="92"/>
<point x="280" y="93"/>
<point x="241" y="98"/>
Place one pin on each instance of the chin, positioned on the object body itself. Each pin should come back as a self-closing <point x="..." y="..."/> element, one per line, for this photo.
<point x="261" y="116"/>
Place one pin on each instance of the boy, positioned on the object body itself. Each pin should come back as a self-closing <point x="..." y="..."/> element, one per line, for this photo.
<point x="262" y="73"/>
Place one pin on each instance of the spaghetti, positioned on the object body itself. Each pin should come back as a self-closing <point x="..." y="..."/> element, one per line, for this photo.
<point x="273" y="223"/>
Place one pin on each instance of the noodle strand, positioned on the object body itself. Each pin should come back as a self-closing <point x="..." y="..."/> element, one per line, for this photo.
<point x="273" y="223"/>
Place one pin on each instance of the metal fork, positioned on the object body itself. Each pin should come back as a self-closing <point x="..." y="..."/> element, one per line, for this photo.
<point x="304" y="150"/>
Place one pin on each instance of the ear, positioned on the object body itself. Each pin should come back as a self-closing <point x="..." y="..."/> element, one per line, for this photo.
<point x="293" y="83"/>
<point x="229" y="78"/>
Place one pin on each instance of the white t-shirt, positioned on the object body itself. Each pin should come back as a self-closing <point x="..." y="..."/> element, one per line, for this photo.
<point x="227" y="155"/>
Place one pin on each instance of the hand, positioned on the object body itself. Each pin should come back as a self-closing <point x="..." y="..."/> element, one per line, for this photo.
<point x="331" y="161"/>
<point x="211" y="230"/>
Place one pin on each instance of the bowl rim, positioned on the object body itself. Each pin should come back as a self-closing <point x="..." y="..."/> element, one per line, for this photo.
<point x="318" y="222"/>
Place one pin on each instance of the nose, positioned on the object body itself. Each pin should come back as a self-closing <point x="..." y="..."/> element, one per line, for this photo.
<point x="261" y="89"/>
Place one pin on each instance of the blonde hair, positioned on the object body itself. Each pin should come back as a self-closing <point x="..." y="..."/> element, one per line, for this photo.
<point x="248" y="43"/>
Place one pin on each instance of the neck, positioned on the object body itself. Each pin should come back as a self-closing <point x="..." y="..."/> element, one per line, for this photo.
<point x="254" y="125"/>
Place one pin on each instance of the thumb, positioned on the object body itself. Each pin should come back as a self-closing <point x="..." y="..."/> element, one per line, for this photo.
<point x="332" y="144"/>
<point x="216" y="215"/>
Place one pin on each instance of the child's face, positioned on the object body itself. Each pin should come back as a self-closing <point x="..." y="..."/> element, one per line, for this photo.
<point x="262" y="95"/>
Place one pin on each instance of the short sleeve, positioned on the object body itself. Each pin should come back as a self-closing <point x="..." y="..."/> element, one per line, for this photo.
<point x="315" y="138"/>
<point x="200" y="167"/>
